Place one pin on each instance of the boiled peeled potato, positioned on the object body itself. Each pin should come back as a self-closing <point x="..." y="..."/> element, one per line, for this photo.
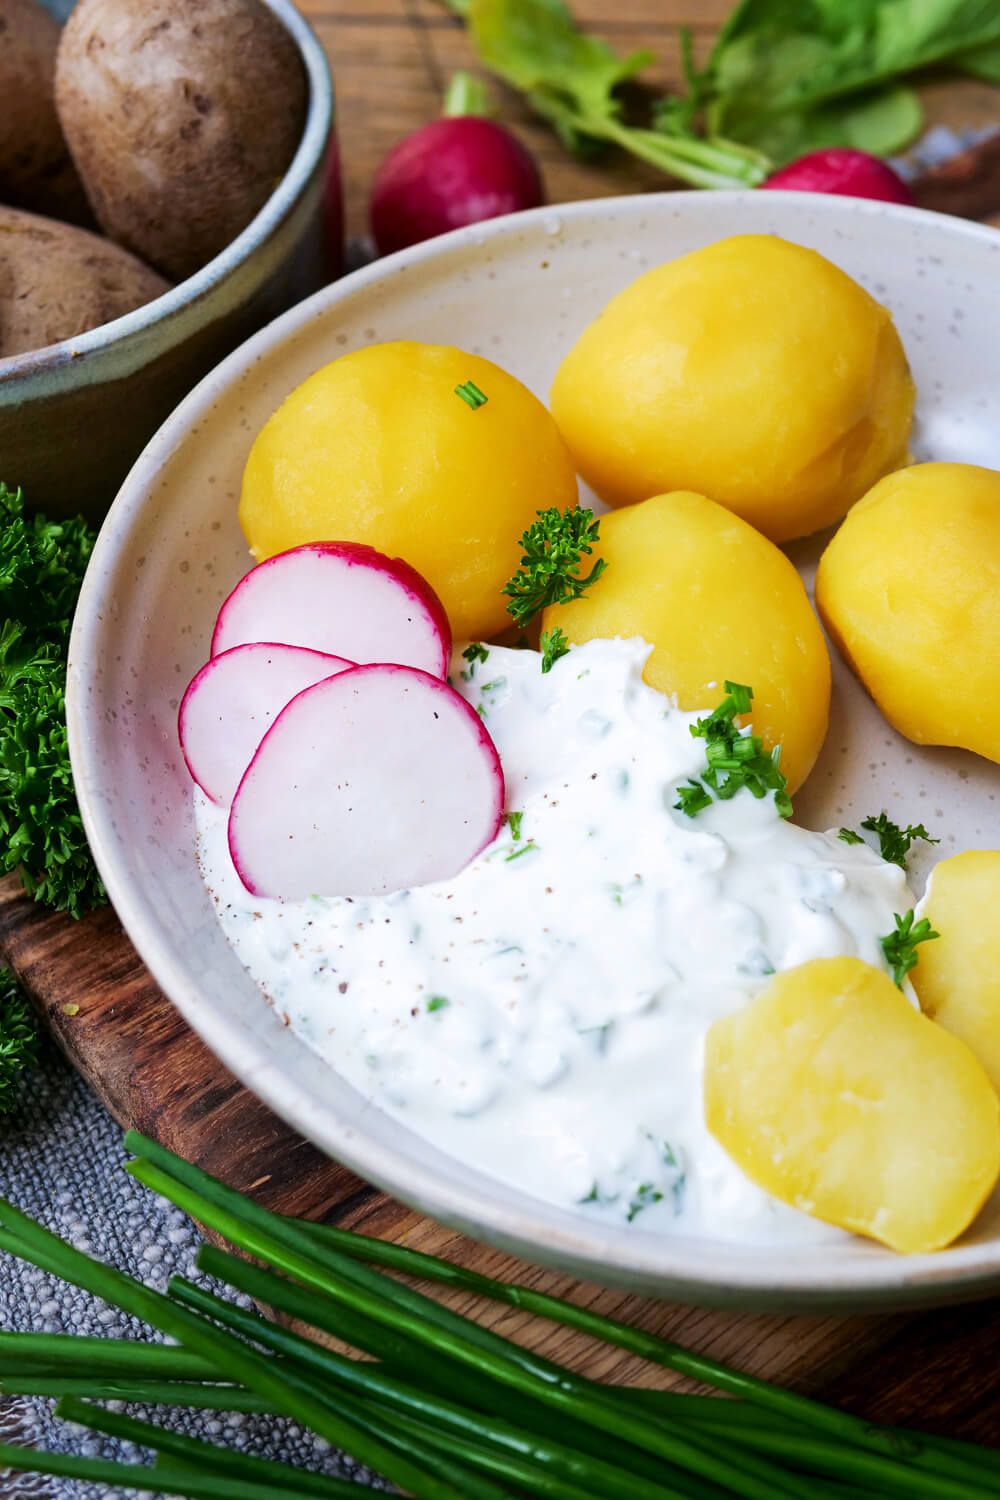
<point x="958" y="976"/>
<point x="377" y="447"/>
<point x="716" y="600"/>
<point x="754" y="371"/>
<point x="834" y="1094"/>
<point x="909" y="589"/>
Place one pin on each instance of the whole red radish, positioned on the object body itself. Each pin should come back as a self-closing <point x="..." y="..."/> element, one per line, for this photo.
<point x="854" y="174"/>
<point x="457" y="170"/>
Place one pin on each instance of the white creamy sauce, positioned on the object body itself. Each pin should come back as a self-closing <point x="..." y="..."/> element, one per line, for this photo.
<point x="542" y="1015"/>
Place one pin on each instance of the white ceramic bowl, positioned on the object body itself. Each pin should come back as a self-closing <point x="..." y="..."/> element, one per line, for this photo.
<point x="518" y="290"/>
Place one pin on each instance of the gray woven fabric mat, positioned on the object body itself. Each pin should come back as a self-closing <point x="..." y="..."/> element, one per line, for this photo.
<point x="61" y="1161"/>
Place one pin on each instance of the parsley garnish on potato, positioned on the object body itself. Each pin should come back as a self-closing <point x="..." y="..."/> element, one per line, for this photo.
<point x="553" y="549"/>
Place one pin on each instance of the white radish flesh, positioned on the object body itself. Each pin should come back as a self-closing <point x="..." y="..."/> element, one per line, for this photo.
<point x="342" y="598"/>
<point x="234" y="700"/>
<point x="377" y="780"/>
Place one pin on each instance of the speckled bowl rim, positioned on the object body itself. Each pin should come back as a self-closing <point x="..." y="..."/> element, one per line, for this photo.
<point x="657" y="1265"/>
<point x="58" y="362"/>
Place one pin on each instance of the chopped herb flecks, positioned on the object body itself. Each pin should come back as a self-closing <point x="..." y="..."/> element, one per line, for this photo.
<point x="471" y="394"/>
<point x="513" y="821"/>
<point x="473" y="653"/>
<point x="644" y="1195"/>
<point x="735" y="759"/>
<point x="438" y="1002"/>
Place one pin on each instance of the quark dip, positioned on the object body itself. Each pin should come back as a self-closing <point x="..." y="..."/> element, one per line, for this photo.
<point x="541" y="1016"/>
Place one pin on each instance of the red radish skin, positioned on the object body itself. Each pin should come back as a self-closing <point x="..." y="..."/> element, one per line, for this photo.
<point x="376" y="780"/>
<point x="233" y="701"/>
<point x="342" y="598"/>
<point x="452" y="172"/>
<point x="853" y="174"/>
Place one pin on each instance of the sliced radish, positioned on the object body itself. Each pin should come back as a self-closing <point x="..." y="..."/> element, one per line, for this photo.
<point x="343" y="598"/>
<point x="377" y="780"/>
<point x="232" y="703"/>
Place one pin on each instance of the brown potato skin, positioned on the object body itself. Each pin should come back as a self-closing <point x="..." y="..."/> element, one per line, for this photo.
<point x="57" y="281"/>
<point x="182" y="116"/>
<point x="36" y="171"/>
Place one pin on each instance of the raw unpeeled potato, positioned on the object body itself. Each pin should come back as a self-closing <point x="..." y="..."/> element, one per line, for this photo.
<point x="753" y="371"/>
<point x="958" y="976"/>
<point x="182" y="116"/>
<point x="833" y="1094"/>
<point x="909" y="589"/>
<point x="57" y="281"/>
<point x="717" y="600"/>
<point x="36" y="172"/>
<point x="377" y="447"/>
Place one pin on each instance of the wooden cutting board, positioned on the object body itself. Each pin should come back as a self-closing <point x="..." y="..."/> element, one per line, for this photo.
<point x="391" y="59"/>
<point x="935" y="1370"/>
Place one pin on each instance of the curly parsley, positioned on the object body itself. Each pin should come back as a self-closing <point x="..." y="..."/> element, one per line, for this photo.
<point x="900" y="946"/>
<point x="894" y="842"/>
<point x="41" y="568"/>
<point x="553" y="645"/>
<point x="18" y="1038"/>
<point x="553" y="549"/>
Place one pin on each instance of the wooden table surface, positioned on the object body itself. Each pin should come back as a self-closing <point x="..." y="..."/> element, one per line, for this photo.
<point x="392" y="59"/>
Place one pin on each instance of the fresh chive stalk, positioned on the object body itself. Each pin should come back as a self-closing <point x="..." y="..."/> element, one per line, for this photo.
<point x="287" y="1247"/>
<point x="441" y="1377"/>
<point x="451" y="1422"/>
<point x="196" y="1452"/>
<point x="22" y="1237"/>
<point x="451" y="1410"/>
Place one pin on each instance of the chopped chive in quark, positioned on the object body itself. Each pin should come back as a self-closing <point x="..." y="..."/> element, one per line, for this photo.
<point x="524" y="849"/>
<point x="645" y="1195"/>
<point x="513" y="821"/>
<point x="494" y="686"/>
<point x="471" y="394"/>
<point x="438" y="1002"/>
<point x="735" y="760"/>
<point x="475" y="652"/>
<point x="848" y="836"/>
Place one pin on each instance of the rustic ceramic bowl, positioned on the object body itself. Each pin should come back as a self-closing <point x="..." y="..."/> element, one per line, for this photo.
<point x="75" y="415"/>
<point x="519" y="290"/>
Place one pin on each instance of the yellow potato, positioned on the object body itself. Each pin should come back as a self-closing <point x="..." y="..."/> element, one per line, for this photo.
<point x="718" y="601"/>
<point x="754" y="371"/>
<point x="909" y="589"/>
<point x="833" y="1094"/>
<point x="958" y="976"/>
<point x="377" y="447"/>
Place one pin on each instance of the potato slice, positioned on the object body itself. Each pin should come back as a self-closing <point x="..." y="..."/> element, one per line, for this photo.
<point x="835" y="1095"/>
<point x="958" y="977"/>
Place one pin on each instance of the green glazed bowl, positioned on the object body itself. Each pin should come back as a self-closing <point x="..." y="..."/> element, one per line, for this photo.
<point x="74" y="416"/>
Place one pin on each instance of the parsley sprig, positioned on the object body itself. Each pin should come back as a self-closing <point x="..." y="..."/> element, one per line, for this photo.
<point x="735" y="759"/>
<point x="553" y="645"/>
<point x="553" y="549"/>
<point x="18" y="1038"/>
<point x="900" y="946"/>
<point x="894" y="842"/>
<point x="41" y="568"/>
